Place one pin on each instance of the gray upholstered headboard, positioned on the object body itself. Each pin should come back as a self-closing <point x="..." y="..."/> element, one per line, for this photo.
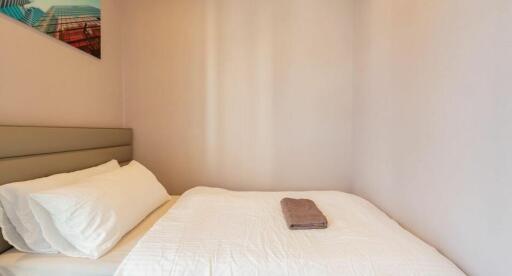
<point x="32" y="152"/>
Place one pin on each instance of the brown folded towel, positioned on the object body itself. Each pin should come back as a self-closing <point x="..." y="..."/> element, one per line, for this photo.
<point x="302" y="214"/>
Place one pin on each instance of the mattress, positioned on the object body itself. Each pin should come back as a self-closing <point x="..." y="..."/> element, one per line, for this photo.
<point x="214" y="231"/>
<point x="18" y="263"/>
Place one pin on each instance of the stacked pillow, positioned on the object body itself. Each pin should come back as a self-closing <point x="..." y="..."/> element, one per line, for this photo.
<point x="19" y="226"/>
<point x="79" y="214"/>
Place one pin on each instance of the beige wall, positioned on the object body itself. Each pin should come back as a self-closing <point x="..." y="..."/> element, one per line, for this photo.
<point x="241" y="94"/>
<point x="433" y="123"/>
<point x="46" y="82"/>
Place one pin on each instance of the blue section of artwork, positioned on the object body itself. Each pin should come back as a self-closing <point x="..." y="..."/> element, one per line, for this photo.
<point x="33" y="15"/>
<point x="16" y="12"/>
<point x="10" y="3"/>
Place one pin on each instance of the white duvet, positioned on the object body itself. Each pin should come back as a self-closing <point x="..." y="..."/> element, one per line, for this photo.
<point x="213" y="231"/>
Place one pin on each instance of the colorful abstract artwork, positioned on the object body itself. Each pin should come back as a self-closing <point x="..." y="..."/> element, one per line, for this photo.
<point x="76" y="22"/>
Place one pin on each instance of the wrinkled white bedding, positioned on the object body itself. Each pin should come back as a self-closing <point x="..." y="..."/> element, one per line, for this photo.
<point x="212" y="231"/>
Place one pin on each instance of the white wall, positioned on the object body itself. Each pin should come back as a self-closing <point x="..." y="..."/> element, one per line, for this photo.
<point x="241" y="94"/>
<point x="433" y="123"/>
<point x="44" y="81"/>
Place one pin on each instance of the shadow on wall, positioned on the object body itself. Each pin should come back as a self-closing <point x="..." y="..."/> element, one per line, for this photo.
<point x="252" y="96"/>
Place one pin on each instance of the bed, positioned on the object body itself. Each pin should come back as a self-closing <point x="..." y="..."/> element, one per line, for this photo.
<point x="212" y="231"/>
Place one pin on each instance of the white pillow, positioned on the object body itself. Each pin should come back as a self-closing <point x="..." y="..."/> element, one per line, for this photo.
<point x="10" y="234"/>
<point x="87" y="219"/>
<point x="19" y="226"/>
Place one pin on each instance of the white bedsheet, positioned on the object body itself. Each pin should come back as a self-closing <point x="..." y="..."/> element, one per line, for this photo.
<point x="18" y="263"/>
<point x="218" y="232"/>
